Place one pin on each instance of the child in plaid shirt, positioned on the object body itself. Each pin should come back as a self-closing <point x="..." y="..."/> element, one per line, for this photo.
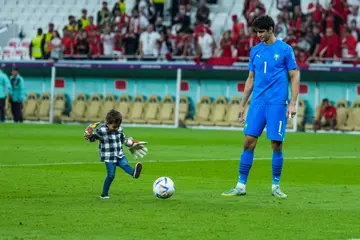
<point x="111" y="136"/>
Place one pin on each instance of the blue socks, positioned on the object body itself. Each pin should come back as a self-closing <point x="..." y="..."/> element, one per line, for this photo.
<point x="246" y="161"/>
<point x="277" y="164"/>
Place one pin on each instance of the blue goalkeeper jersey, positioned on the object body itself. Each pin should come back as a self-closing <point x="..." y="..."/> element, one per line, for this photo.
<point x="271" y="64"/>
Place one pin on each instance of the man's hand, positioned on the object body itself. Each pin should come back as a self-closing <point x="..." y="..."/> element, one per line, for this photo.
<point x="90" y="129"/>
<point x="291" y="112"/>
<point x="241" y="114"/>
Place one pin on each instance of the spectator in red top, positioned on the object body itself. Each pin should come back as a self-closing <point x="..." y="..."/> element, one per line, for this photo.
<point x="243" y="44"/>
<point x="255" y="9"/>
<point x="327" y="116"/>
<point x="91" y="26"/>
<point x="348" y="44"/>
<point x="226" y="45"/>
<point x="330" y="45"/>
<point x="68" y="43"/>
<point x="95" y="43"/>
<point x="237" y="26"/>
<point x="316" y="11"/>
<point x="252" y="38"/>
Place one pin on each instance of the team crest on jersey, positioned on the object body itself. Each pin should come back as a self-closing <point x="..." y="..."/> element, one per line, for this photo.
<point x="276" y="56"/>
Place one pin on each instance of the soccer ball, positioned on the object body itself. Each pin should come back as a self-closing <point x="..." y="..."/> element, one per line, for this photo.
<point x="163" y="187"/>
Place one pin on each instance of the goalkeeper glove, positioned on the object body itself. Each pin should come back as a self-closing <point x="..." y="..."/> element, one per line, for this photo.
<point x="90" y="130"/>
<point x="137" y="149"/>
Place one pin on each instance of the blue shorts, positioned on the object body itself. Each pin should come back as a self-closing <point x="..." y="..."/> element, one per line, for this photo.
<point x="273" y="116"/>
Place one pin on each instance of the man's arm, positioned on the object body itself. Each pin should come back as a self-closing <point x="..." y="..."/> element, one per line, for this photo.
<point x="294" y="80"/>
<point x="8" y="84"/>
<point x="249" y="85"/>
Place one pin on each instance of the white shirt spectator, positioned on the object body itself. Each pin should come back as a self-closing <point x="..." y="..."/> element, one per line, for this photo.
<point x="139" y="23"/>
<point x="206" y="46"/>
<point x="149" y="43"/>
<point x="358" y="49"/>
<point x="56" y="52"/>
<point x="108" y="41"/>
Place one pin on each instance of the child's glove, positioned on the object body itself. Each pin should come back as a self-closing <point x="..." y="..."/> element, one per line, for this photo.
<point x="90" y="129"/>
<point x="137" y="149"/>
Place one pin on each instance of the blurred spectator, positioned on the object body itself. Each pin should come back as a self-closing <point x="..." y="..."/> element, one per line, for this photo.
<point x="316" y="11"/>
<point x="330" y="45"/>
<point x="147" y="10"/>
<point x="165" y="42"/>
<point x="182" y="20"/>
<point x="243" y="44"/>
<point x="68" y="42"/>
<point x="354" y="30"/>
<point x="159" y="26"/>
<point x="138" y="22"/>
<point x="254" y="9"/>
<point x="252" y="38"/>
<point x="202" y="13"/>
<point x="149" y="43"/>
<point x="122" y="5"/>
<point x="291" y="38"/>
<point x="281" y="27"/>
<point x="305" y="42"/>
<point x="103" y="15"/>
<point x="300" y="56"/>
<point x="283" y="5"/>
<point x="47" y="38"/>
<point x="237" y="26"/>
<point x="159" y="7"/>
<point x="18" y="95"/>
<point x="315" y="43"/>
<point x="108" y="42"/>
<point x="205" y="45"/>
<point x="82" y="44"/>
<point x="121" y="22"/>
<point x="95" y="42"/>
<point x="56" y="47"/>
<point x="91" y="26"/>
<point x="348" y="44"/>
<point x="327" y="116"/>
<point x="298" y="18"/>
<point x="131" y="42"/>
<point x="83" y="21"/>
<point x="226" y="48"/>
<point x="72" y="25"/>
<point x="36" y="48"/>
<point x="333" y="20"/>
<point x="116" y="8"/>
<point x="354" y="16"/>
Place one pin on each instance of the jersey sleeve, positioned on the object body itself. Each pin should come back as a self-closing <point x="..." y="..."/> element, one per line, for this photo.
<point x="251" y="62"/>
<point x="290" y="60"/>
<point x="122" y="135"/>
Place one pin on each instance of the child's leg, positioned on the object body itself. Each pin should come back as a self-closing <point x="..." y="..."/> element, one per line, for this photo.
<point x="124" y="165"/>
<point x="110" y="169"/>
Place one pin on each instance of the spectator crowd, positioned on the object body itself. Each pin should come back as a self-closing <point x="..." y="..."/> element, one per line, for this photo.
<point x="317" y="34"/>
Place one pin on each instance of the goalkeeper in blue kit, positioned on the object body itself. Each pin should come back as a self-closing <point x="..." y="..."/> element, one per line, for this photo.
<point x="111" y="137"/>
<point x="269" y="65"/>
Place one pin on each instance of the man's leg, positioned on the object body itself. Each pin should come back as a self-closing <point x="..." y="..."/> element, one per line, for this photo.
<point x="2" y="109"/>
<point x="13" y="111"/>
<point x="275" y="131"/>
<point x="124" y="165"/>
<point x="110" y="170"/>
<point x="254" y="126"/>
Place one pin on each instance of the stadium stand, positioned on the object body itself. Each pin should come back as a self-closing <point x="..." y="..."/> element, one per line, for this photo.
<point x="59" y="106"/>
<point x="78" y="109"/>
<point x="202" y="114"/>
<point x="167" y="110"/>
<point x="124" y="105"/>
<point x="30" y="107"/>
<point x="44" y="107"/>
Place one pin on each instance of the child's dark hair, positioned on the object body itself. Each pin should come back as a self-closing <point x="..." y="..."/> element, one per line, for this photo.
<point x="113" y="117"/>
<point x="263" y="22"/>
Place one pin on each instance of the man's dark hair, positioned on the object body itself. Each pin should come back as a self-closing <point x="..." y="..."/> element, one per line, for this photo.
<point x="325" y="100"/>
<point x="263" y="22"/>
<point x="113" y="117"/>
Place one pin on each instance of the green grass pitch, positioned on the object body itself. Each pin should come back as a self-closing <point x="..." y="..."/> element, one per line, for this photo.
<point x="51" y="180"/>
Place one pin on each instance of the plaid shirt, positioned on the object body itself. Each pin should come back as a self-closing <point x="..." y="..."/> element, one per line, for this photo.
<point x="109" y="143"/>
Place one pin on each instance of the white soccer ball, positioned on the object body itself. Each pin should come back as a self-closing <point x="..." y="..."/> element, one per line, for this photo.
<point x="163" y="187"/>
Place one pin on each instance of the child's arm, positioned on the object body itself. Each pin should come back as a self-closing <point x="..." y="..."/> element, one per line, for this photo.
<point x="89" y="132"/>
<point x="137" y="149"/>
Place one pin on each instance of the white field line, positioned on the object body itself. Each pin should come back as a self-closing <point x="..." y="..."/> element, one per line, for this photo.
<point x="178" y="160"/>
